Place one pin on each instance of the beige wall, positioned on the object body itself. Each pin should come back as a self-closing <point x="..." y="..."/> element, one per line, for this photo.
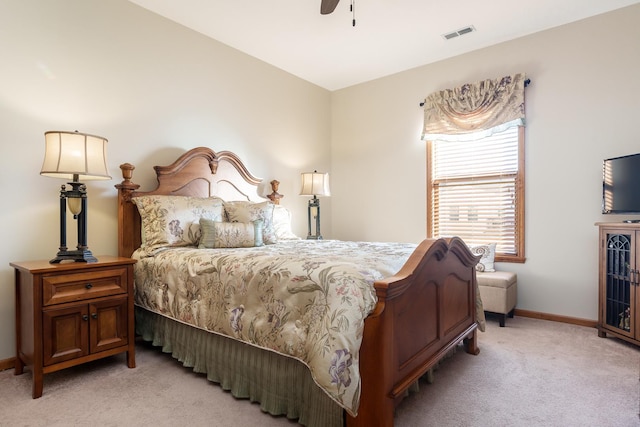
<point x="582" y="107"/>
<point x="154" y="89"/>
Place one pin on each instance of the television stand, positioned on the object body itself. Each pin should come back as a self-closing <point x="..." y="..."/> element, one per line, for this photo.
<point x="619" y="300"/>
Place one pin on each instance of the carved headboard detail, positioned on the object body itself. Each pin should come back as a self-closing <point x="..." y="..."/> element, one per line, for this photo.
<point x="200" y="172"/>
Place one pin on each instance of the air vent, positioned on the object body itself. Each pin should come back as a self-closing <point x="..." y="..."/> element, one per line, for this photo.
<point x="460" y="32"/>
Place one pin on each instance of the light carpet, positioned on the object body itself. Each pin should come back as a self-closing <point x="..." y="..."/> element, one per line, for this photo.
<point x="530" y="373"/>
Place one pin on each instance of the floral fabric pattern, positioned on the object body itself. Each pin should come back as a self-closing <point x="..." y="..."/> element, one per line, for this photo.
<point x="487" y="255"/>
<point x="243" y="211"/>
<point x="474" y="107"/>
<point x="305" y="299"/>
<point x="216" y="234"/>
<point x="175" y="220"/>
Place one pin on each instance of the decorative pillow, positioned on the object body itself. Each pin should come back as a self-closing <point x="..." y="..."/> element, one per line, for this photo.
<point x="487" y="253"/>
<point x="216" y="234"/>
<point x="282" y="223"/>
<point x="243" y="211"/>
<point x="174" y="220"/>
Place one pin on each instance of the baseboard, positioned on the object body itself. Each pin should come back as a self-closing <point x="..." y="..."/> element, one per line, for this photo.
<point x="7" y="363"/>
<point x="556" y="318"/>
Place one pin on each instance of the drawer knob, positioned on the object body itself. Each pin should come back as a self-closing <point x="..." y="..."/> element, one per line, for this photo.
<point x="94" y="315"/>
<point x="88" y="286"/>
<point x="85" y="317"/>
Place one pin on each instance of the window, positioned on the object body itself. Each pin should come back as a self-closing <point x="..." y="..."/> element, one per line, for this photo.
<point x="475" y="190"/>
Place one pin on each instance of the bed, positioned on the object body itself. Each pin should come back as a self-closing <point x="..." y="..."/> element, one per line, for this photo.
<point x="415" y="309"/>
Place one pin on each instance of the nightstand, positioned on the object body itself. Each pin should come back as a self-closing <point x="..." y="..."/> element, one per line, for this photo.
<point x="71" y="313"/>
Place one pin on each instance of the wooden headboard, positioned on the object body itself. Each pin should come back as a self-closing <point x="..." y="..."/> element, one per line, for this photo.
<point x="200" y="172"/>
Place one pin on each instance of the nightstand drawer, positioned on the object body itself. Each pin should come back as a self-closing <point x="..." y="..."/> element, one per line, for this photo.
<point x="57" y="289"/>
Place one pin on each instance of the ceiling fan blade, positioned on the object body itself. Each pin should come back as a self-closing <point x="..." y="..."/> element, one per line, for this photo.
<point x="328" y="6"/>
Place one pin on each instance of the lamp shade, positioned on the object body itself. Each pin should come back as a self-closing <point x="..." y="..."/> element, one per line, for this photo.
<point x="315" y="184"/>
<point x="75" y="156"/>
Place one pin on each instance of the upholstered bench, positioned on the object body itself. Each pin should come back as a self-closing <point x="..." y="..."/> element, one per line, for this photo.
<point x="499" y="292"/>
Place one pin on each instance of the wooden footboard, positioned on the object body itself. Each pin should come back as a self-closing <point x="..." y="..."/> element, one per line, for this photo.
<point x="423" y="311"/>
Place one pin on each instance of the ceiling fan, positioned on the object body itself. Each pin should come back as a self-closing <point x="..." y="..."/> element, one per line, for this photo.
<point x="328" y="6"/>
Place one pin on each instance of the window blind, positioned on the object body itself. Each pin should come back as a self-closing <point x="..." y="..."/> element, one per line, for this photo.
<point x="474" y="190"/>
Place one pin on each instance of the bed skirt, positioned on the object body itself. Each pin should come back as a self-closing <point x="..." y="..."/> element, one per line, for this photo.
<point x="282" y="385"/>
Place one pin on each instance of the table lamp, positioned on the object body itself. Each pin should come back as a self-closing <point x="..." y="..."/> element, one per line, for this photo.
<point x="76" y="157"/>
<point x="315" y="184"/>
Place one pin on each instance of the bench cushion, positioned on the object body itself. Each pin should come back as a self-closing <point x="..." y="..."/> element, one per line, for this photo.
<point x="496" y="279"/>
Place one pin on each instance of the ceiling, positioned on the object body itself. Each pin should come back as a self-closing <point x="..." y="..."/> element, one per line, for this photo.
<point x="389" y="36"/>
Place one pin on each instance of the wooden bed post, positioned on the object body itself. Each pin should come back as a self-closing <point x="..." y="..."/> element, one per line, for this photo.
<point x="275" y="196"/>
<point x="129" y="238"/>
<point x="376" y="406"/>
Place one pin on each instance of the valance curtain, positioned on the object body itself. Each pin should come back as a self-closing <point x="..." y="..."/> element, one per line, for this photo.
<point x="492" y="105"/>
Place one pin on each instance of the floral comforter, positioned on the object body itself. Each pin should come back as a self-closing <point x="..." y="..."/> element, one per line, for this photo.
<point x="305" y="299"/>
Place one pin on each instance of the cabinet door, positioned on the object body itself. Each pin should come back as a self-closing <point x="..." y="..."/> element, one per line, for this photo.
<point x="65" y="334"/>
<point x="620" y="281"/>
<point x="108" y="324"/>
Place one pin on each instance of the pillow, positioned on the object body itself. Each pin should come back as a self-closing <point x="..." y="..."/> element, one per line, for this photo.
<point x="174" y="220"/>
<point x="216" y="234"/>
<point x="487" y="253"/>
<point x="244" y="211"/>
<point x="282" y="223"/>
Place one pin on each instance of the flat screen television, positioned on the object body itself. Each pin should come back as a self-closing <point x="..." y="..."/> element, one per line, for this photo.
<point x="621" y="185"/>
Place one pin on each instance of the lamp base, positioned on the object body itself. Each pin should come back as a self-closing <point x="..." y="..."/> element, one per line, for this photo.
<point x="77" y="256"/>
<point x="310" y="237"/>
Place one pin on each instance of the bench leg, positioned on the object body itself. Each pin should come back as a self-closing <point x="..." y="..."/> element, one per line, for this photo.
<point x="503" y="319"/>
